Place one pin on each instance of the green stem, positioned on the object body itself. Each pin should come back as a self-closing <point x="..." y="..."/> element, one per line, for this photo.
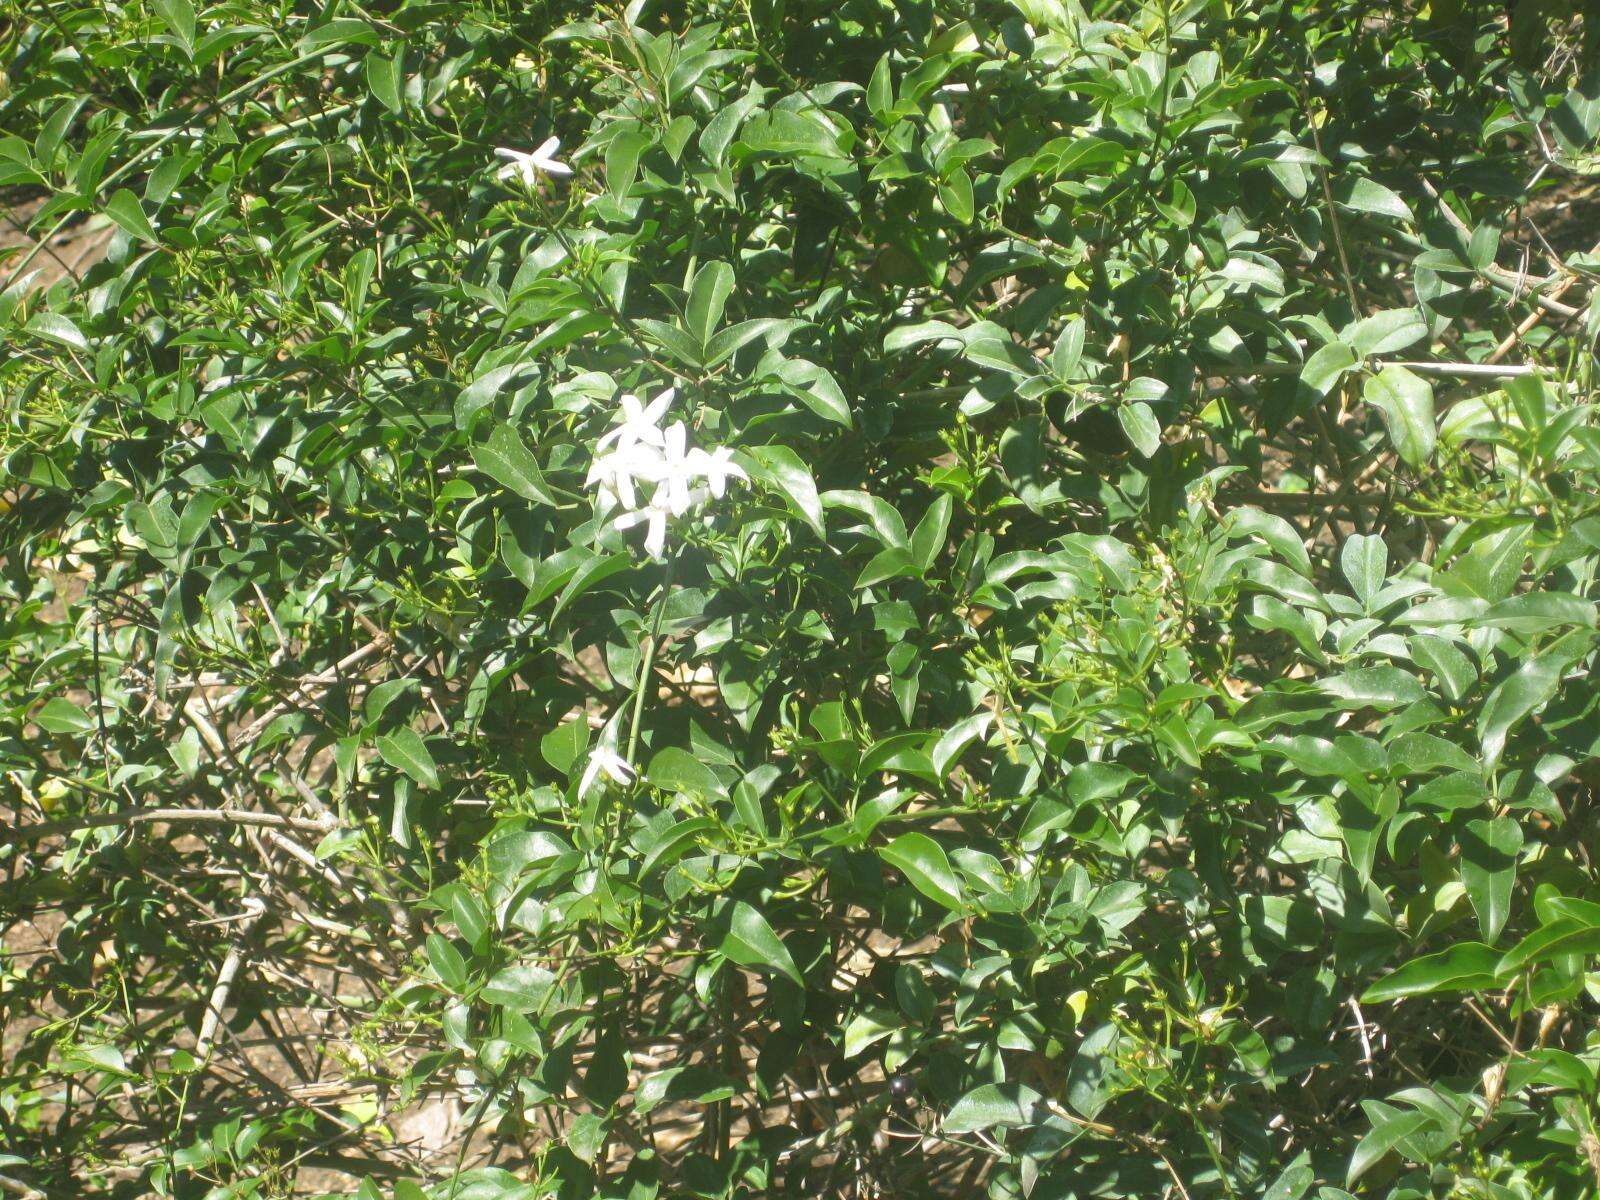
<point x="648" y="663"/>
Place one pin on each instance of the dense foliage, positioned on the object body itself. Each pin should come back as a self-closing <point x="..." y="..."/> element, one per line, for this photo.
<point x="1088" y="694"/>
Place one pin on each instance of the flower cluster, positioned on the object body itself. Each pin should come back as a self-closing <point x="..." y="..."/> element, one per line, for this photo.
<point x="637" y="453"/>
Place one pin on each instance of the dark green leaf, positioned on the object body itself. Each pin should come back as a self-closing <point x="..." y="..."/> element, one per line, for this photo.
<point x="750" y="942"/>
<point x="922" y="861"/>
<point x="405" y="750"/>
<point x="509" y="462"/>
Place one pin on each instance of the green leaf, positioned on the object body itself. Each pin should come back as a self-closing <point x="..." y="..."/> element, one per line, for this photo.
<point x="509" y="462"/>
<point x="1539" y="612"/>
<point x="1141" y="427"/>
<point x="1385" y="1136"/>
<point x="469" y="917"/>
<point x="586" y="1136"/>
<point x="1463" y="967"/>
<point x="783" y="469"/>
<point x="995" y="1106"/>
<point x="1526" y="689"/>
<point x="1294" y="1181"/>
<point x="1576" y="120"/>
<point x="1386" y="332"/>
<point x="1375" y="687"/>
<point x="606" y="1077"/>
<point x="674" y="769"/>
<point x="955" y="193"/>
<point x="922" y="861"/>
<point x="405" y="751"/>
<point x="1563" y="936"/>
<point x="1276" y="532"/>
<point x="816" y="388"/>
<point x="481" y="392"/>
<point x="784" y="133"/>
<point x="956" y="739"/>
<point x="60" y="715"/>
<point x="338" y="32"/>
<point x="593" y="570"/>
<point x="385" y="78"/>
<point x="1364" y="559"/>
<point x="1405" y="402"/>
<point x="903" y="337"/>
<point x="665" y="850"/>
<point x="1457" y="790"/>
<point x="773" y="332"/>
<point x="750" y="942"/>
<point x="929" y="536"/>
<point x="56" y="328"/>
<point x="565" y="744"/>
<point x="178" y="15"/>
<point x="1327" y="366"/>
<point x="1452" y="668"/>
<point x="447" y="963"/>
<point x="713" y="284"/>
<point x="681" y="1085"/>
<point x="1068" y="350"/>
<point x="1370" y="196"/>
<point x="522" y="989"/>
<point x="1489" y="870"/>
<point x="1092" y="1074"/>
<point x="880" y="91"/>
<point x="622" y="159"/>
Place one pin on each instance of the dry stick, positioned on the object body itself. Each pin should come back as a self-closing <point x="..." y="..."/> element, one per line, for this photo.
<point x="1361" y="1032"/>
<point x="1513" y="287"/>
<point x="143" y="816"/>
<point x="295" y="903"/>
<point x="398" y="913"/>
<point x="18" y="1188"/>
<point x="1508" y="281"/>
<point x="320" y="679"/>
<point x="1533" y="318"/>
<point x="225" y="978"/>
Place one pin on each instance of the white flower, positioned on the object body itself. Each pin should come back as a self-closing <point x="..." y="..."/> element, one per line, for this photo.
<point x="605" y="761"/>
<point x="616" y="473"/>
<point x="637" y="453"/>
<point x="655" y="519"/>
<point x="530" y="165"/>
<point x="640" y="423"/>
<point x="675" y="485"/>
<point x="716" y="468"/>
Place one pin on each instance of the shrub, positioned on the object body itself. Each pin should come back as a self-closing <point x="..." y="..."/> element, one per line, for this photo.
<point x="799" y="598"/>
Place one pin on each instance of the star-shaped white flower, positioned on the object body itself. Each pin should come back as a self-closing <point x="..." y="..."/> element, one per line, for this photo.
<point x="641" y="423"/>
<point x="616" y="473"/>
<point x="528" y="166"/>
<point x="675" y="487"/>
<point x="605" y="761"/>
<point x="716" y="467"/>
<point x="654" y="518"/>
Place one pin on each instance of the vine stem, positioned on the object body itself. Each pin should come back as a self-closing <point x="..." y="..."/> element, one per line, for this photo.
<point x="648" y="663"/>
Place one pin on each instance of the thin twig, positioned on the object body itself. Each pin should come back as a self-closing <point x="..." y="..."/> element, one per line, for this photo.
<point x="225" y="978"/>
<point x="1361" y="1032"/>
<point x="1333" y="212"/>
<point x="18" y="1188"/>
<point x="144" y="816"/>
